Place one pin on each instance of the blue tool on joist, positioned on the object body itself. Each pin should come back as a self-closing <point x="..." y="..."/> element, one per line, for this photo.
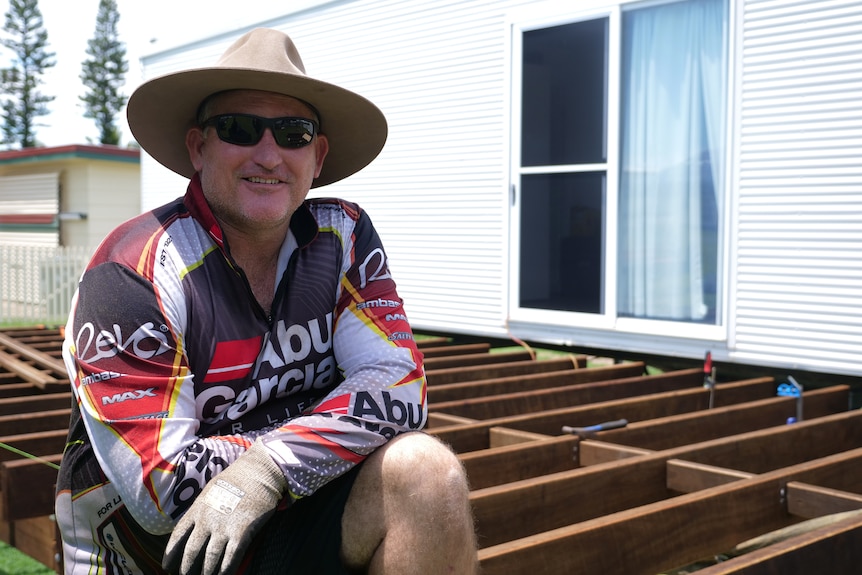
<point x="792" y="389"/>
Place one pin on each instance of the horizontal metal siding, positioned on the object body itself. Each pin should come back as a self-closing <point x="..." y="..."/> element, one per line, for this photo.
<point x="798" y="290"/>
<point x="438" y="191"/>
<point x="33" y="194"/>
<point x="30" y="194"/>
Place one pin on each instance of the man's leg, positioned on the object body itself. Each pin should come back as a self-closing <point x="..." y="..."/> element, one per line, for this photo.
<point x="408" y="512"/>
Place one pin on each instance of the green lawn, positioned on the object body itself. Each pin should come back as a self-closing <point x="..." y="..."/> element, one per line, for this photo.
<point x="13" y="562"/>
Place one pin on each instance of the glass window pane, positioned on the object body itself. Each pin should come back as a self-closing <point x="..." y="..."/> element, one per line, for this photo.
<point x="672" y="160"/>
<point x="563" y="119"/>
<point x="561" y="241"/>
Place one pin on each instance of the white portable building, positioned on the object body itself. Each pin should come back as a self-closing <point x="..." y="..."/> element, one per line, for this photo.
<point x="655" y="177"/>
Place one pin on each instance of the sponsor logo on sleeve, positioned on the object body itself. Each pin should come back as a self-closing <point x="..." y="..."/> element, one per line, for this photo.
<point x="373" y="268"/>
<point x="145" y="342"/>
<point x="100" y="376"/>
<point x="380" y="302"/>
<point x="127" y="395"/>
<point x="366" y="409"/>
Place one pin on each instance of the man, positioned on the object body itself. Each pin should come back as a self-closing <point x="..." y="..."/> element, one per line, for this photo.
<point x="248" y="390"/>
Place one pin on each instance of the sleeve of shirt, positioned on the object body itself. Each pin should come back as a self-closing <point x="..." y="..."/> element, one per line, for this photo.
<point x="383" y="391"/>
<point x="125" y="355"/>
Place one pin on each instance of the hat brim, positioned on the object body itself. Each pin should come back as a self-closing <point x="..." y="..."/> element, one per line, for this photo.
<point x="161" y="111"/>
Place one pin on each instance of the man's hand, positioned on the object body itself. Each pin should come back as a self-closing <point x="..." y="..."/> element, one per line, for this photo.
<point x="218" y="527"/>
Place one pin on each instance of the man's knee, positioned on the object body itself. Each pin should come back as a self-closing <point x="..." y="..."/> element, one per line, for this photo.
<point x="413" y="473"/>
<point x="421" y="459"/>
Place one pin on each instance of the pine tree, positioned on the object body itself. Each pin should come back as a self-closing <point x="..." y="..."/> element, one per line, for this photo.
<point x="27" y="38"/>
<point x="104" y="73"/>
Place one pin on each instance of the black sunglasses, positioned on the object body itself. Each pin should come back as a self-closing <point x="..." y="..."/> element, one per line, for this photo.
<point x="247" y="130"/>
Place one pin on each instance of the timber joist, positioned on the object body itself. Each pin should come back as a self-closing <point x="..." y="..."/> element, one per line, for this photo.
<point x="35" y="406"/>
<point x="687" y="478"/>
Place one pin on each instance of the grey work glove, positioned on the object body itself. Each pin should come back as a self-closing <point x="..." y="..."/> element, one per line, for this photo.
<point x="221" y="523"/>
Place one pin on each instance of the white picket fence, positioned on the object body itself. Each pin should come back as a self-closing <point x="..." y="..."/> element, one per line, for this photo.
<point x="37" y="282"/>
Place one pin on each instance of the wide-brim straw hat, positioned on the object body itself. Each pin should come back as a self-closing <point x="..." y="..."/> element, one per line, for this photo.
<point x="161" y="110"/>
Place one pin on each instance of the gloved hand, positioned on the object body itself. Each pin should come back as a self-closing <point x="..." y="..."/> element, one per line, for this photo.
<point x="218" y="527"/>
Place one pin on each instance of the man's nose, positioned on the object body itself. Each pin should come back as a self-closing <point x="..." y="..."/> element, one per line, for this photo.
<point x="267" y="151"/>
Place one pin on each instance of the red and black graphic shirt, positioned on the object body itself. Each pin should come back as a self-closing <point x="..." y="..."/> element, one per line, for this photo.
<point x="176" y="368"/>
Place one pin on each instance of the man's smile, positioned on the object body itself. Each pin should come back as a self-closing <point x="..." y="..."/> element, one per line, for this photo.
<point x="259" y="180"/>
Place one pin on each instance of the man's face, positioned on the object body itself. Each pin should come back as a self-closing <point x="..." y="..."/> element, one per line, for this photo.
<point x="256" y="188"/>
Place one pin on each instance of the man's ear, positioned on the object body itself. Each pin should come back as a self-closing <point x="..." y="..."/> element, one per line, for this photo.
<point x="194" y="145"/>
<point x="321" y="143"/>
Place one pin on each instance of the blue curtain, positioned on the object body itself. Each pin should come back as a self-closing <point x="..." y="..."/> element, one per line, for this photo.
<point x="672" y="160"/>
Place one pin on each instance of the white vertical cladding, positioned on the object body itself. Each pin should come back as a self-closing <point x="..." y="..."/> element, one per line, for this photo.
<point x="798" y="291"/>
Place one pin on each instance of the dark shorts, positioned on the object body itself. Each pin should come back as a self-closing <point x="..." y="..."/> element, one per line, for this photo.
<point x="305" y="538"/>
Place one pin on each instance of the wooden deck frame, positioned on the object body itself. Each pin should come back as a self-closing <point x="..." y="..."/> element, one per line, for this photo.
<point x="37" y="538"/>
<point x="679" y="483"/>
<point x="474" y="359"/>
<point x="36" y="402"/>
<point x="810" y="501"/>
<point x="437" y="420"/>
<point x="579" y="393"/>
<point x="834" y="547"/>
<point x="657" y="536"/>
<point x="35" y="421"/>
<point x="524" y="508"/>
<point x="25" y="370"/>
<point x="18" y="388"/>
<point x="478" y="372"/>
<point x="39" y="443"/>
<point x="530" y="382"/>
<point x="32" y="477"/>
<point x="42" y="361"/>
<point x="426" y="342"/>
<point x="696" y="427"/>
<point x="526" y="460"/>
<point x="474" y="436"/>
<point x="454" y="350"/>
<point x="495" y="466"/>
<point x="687" y="477"/>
